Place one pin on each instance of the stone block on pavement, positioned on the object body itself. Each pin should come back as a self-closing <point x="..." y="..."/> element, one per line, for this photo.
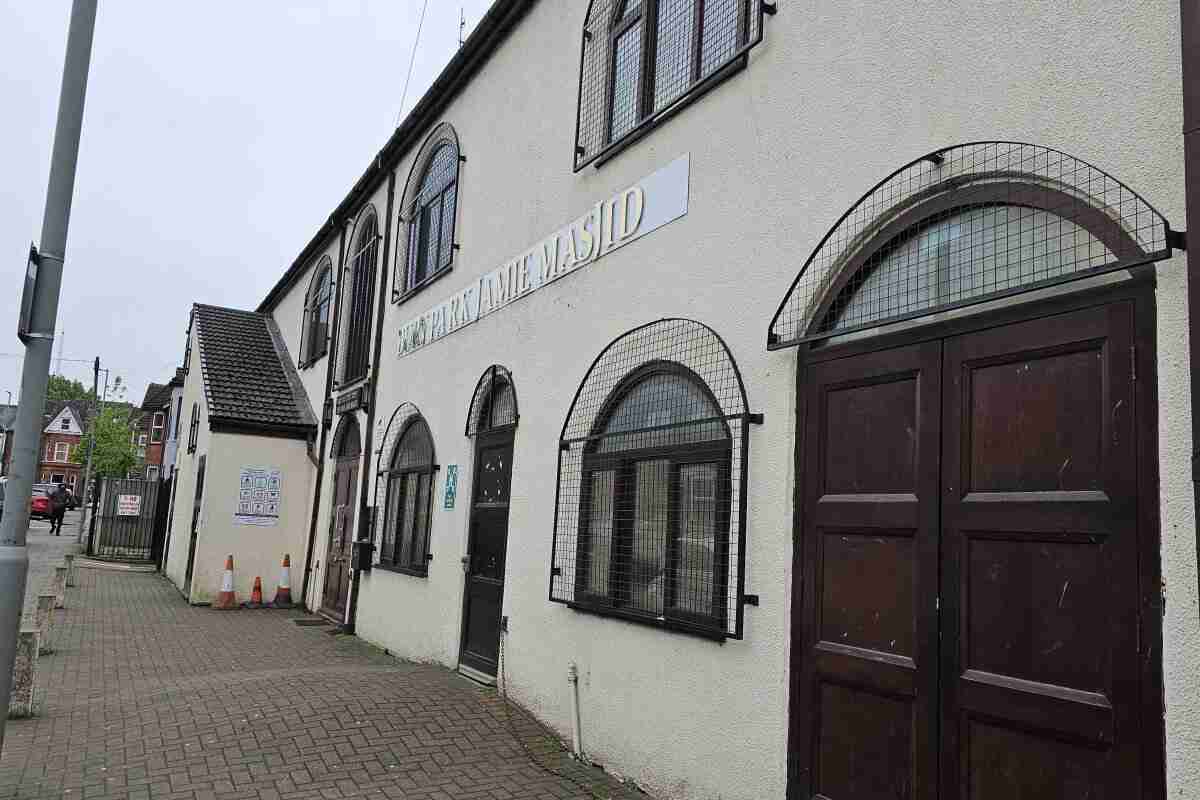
<point x="43" y="620"/>
<point x="60" y="586"/>
<point x="69" y="558"/>
<point x="20" y="703"/>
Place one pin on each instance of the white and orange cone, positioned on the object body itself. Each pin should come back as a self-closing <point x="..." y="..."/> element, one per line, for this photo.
<point x="226" y="600"/>
<point x="283" y="595"/>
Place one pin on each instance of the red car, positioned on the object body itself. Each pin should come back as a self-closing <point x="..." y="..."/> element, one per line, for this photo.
<point x="39" y="504"/>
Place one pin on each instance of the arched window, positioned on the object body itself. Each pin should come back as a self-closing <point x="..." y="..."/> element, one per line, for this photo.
<point x="640" y="57"/>
<point x="406" y="483"/>
<point x="494" y="404"/>
<point x="347" y="442"/>
<point x="356" y="296"/>
<point x="651" y="497"/>
<point x="429" y="207"/>
<point x="315" y="336"/>
<point x="963" y="225"/>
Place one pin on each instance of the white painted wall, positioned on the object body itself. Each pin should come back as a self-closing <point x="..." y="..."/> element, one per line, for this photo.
<point x="257" y="550"/>
<point x="186" y="463"/>
<point x="836" y="97"/>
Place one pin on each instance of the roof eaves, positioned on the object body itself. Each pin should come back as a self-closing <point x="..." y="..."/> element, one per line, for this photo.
<point x="487" y="37"/>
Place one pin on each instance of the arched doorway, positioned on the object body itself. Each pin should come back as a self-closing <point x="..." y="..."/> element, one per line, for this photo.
<point x="492" y="421"/>
<point x="347" y="446"/>
<point x="976" y="541"/>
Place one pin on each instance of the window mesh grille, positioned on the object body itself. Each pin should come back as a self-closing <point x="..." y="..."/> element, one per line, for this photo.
<point x="964" y="225"/>
<point x="315" y="333"/>
<point x="404" y="485"/>
<point x="661" y="49"/>
<point x="425" y="239"/>
<point x="356" y="305"/>
<point x="494" y="403"/>
<point x="650" y="514"/>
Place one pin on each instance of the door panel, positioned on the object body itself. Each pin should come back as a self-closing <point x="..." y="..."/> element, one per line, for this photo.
<point x="484" y="594"/>
<point x="337" y="559"/>
<point x="1039" y="560"/>
<point x="870" y="574"/>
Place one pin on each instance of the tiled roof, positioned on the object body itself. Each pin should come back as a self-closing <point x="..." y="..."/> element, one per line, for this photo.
<point x="249" y="378"/>
<point x="81" y="408"/>
<point x="157" y="396"/>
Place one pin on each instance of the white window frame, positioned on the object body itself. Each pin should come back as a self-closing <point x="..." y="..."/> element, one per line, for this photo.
<point x="158" y="423"/>
<point x="66" y="456"/>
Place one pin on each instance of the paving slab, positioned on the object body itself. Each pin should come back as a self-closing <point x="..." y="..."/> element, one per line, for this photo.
<point x="148" y="698"/>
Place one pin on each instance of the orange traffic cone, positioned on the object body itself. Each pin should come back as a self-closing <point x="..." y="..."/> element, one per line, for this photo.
<point x="256" y="600"/>
<point x="283" y="595"/>
<point x="226" y="600"/>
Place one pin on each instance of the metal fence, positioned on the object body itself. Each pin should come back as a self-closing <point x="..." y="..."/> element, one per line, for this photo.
<point x="128" y="524"/>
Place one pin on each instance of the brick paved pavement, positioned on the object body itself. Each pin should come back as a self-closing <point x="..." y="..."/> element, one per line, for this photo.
<point x="146" y="698"/>
<point x="45" y="553"/>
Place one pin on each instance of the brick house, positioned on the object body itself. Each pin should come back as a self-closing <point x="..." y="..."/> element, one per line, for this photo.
<point x="63" y="432"/>
<point x="150" y="429"/>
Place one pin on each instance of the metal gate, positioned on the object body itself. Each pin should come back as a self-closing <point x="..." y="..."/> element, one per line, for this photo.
<point x="125" y="512"/>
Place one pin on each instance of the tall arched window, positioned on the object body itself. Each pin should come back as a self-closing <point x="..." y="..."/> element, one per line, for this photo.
<point x="315" y="336"/>
<point x="356" y="295"/>
<point x="429" y="208"/>
<point x="494" y="403"/>
<point x="651" y="491"/>
<point x="640" y="57"/>
<point x="408" y="497"/>
<point x="194" y="430"/>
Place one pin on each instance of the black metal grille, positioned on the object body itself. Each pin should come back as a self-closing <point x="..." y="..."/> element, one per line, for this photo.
<point x="964" y="225"/>
<point x="356" y="298"/>
<point x="429" y="245"/>
<point x="125" y="513"/>
<point x="494" y="403"/>
<point x="315" y="332"/>
<point x="404" y="487"/>
<point x="650" y="515"/>
<point x="641" y="57"/>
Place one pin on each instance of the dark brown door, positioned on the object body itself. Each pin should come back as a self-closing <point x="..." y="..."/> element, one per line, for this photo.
<point x="871" y="574"/>
<point x="341" y="536"/>
<point x="196" y="500"/>
<point x="970" y="567"/>
<point x="485" y="556"/>
<point x="1040" y="660"/>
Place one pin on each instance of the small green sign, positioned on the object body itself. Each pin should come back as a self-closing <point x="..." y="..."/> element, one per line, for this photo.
<point x="451" y="485"/>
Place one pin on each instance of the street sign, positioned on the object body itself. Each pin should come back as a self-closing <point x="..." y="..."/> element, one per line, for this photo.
<point x="25" y="321"/>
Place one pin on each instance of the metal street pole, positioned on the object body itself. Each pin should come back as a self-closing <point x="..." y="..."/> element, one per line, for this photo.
<point x="87" y="472"/>
<point x="39" y="341"/>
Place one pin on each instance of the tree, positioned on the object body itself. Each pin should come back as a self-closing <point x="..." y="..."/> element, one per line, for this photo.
<point x="116" y="452"/>
<point x="61" y="389"/>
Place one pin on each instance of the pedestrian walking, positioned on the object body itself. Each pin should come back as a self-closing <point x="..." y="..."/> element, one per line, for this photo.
<point x="58" y="508"/>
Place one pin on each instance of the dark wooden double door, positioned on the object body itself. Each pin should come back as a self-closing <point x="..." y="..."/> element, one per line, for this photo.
<point x="970" y="548"/>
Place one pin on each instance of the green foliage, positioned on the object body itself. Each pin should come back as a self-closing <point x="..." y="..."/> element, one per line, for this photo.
<point x="61" y="389"/>
<point x="115" y="453"/>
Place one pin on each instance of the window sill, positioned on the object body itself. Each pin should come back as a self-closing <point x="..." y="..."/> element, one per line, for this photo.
<point x="662" y="623"/>
<point x="411" y="572"/>
<point x="661" y="116"/>
<point x="351" y="383"/>
<point x="312" y="361"/>
<point x="420" y="287"/>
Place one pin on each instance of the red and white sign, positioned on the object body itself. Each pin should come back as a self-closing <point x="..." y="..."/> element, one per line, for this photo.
<point x="129" y="505"/>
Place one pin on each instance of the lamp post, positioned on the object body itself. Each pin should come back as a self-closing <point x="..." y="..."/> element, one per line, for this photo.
<point x="39" y="312"/>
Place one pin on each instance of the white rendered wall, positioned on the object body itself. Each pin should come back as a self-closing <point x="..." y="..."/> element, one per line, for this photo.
<point x="836" y="97"/>
<point x="186" y="463"/>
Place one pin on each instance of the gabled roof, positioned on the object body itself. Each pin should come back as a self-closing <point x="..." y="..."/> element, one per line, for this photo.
<point x="250" y="382"/>
<point x="81" y="409"/>
<point x="157" y="396"/>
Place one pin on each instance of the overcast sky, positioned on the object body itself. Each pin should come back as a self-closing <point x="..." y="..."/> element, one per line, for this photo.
<point x="217" y="137"/>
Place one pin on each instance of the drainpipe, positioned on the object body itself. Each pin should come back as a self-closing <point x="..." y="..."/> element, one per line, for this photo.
<point x="364" y="526"/>
<point x="1190" y="29"/>
<point x="330" y="357"/>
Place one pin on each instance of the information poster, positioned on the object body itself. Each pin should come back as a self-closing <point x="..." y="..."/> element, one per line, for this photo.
<point x="451" y="486"/>
<point x="258" y="496"/>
